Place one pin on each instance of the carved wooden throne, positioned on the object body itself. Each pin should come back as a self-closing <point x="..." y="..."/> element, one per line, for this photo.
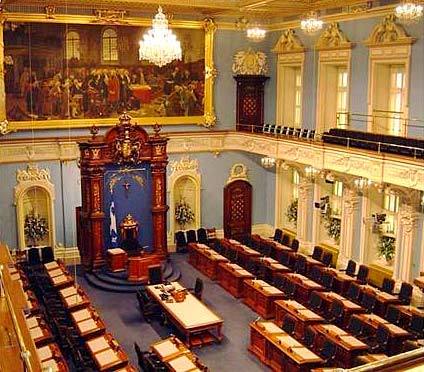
<point x="125" y="145"/>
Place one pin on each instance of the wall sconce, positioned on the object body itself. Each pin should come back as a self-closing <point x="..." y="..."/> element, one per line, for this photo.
<point x="268" y="162"/>
<point x="311" y="172"/>
<point x="362" y="183"/>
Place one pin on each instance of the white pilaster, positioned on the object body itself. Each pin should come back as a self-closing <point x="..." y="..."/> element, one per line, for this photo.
<point x="279" y="194"/>
<point x="406" y="240"/>
<point x="350" y="216"/>
<point x="304" y="208"/>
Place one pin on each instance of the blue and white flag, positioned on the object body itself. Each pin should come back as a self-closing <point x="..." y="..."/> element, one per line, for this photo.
<point x="112" y="228"/>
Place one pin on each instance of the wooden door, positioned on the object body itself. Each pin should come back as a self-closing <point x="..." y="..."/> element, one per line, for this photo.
<point x="237" y="209"/>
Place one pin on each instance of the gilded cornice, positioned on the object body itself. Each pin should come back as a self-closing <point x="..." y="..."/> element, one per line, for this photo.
<point x="333" y="38"/>
<point x="379" y="168"/>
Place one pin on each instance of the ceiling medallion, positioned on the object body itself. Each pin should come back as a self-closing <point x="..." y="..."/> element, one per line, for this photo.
<point x="255" y="33"/>
<point x="409" y="11"/>
<point x="160" y="45"/>
<point x="310" y="23"/>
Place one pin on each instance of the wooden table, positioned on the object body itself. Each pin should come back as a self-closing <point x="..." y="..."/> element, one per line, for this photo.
<point x="304" y="317"/>
<point x="347" y="346"/>
<point x="205" y="259"/>
<point x="260" y="297"/>
<point x="304" y="286"/>
<point x="231" y="277"/>
<point x="106" y="353"/>
<point x="280" y="351"/>
<point x="199" y="324"/>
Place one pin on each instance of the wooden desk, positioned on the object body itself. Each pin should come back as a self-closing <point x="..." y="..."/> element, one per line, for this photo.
<point x="182" y="363"/>
<point x="54" y="365"/>
<point x="383" y="299"/>
<point x="406" y="312"/>
<point x="341" y="280"/>
<point x="397" y="337"/>
<point x="116" y="259"/>
<point x="371" y="321"/>
<point x="260" y="297"/>
<point x="51" y="266"/>
<point x="272" y="268"/>
<point x="41" y="335"/>
<point x="88" y="323"/>
<point x="304" y="286"/>
<point x="347" y="346"/>
<point x="205" y="259"/>
<point x="231" y="277"/>
<point x="246" y="254"/>
<point x="76" y="301"/>
<point x="62" y="281"/>
<point x="193" y="318"/>
<point x="50" y="356"/>
<point x="304" y="317"/>
<point x="280" y="351"/>
<point x="106" y="352"/>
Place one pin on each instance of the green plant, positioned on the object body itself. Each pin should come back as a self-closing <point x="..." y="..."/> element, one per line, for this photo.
<point x="292" y="211"/>
<point x="333" y="227"/>
<point x="386" y="247"/>
<point x="35" y="227"/>
<point x="183" y="213"/>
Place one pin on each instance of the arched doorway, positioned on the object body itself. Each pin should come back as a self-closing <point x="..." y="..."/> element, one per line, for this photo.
<point x="237" y="209"/>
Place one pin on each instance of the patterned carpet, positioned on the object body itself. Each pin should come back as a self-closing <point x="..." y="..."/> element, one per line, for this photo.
<point x="122" y="317"/>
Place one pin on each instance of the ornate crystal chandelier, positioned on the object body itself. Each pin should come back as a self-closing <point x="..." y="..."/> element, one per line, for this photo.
<point x="267" y="162"/>
<point x="255" y="33"/>
<point x="160" y="45"/>
<point x="311" y="24"/>
<point x="408" y="11"/>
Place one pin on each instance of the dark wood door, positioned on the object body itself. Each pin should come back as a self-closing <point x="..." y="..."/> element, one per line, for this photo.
<point x="237" y="209"/>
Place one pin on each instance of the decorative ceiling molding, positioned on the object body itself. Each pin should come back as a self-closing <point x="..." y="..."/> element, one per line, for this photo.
<point x="388" y="32"/>
<point x="185" y="164"/>
<point x="333" y="38"/>
<point x="288" y="43"/>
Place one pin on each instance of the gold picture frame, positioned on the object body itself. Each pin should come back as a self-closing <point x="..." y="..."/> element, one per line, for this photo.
<point x="208" y="119"/>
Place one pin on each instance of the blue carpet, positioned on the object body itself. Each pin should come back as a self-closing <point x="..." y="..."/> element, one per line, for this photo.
<point x="122" y="317"/>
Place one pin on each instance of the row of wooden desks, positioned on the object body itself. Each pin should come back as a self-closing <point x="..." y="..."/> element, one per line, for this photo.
<point x="260" y="296"/>
<point x="205" y="259"/>
<point x="304" y="286"/>
<point x="39" y="331"/>
<point x="106" y="353"/>
<point x="280" y="351"/>
<point x="383" y="299"/>
<point x="88" y="323"/>
<point x="303" y="316"/>
<point x="176" y="356"/>
<point x="58" y="275"/>
<point x="51" y="358"/>
<point x="231" y="277"/>
<point x="199" y="324"/>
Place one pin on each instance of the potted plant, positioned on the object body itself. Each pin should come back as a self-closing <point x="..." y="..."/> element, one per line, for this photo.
<point x="333" y="227"/>
<point x="183" y="213"/>
<point x="35" y="228"/>
<point x="292" y="212"/>
<point x="386" y="248"/>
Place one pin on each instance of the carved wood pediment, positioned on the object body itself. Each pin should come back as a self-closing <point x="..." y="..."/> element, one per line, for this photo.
<point x="333" y="38"/>
<point x="288" y="43"/>
<point x="388" y="32"/>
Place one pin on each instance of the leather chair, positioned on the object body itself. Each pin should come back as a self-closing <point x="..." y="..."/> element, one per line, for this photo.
<point x="393" y="314"/>
<point x="285" y="240"/>
<point x="317" y="253"/>
<point x="353" y="292"/>
<point x="405" y="293"/>
<point x="315" y="303"/>
<point x="34" y="257"/>
<point x="350" y="268"/>
<point x="277" y="235"/>
<point x="327" y="281"/>
<point x="47" y="255"/>
<point x="202" y="236"/>
<point x="315" y="274"/>
<point x="356" y="327"/>
<point x="284" y="258"/>
<point x="198" y="288"/>
<point x="295" y="245"/>
<point x="181" y="242"/>
<point x="328" y="352"/>
<point x="326" y="258"/>
<point x="149" y="310"/>
<point x="155" y="274"/>
<point x="368" y="302"/>
<point x="301" y="266"/>
<point x="289" y="324"/>
<point x="290" y="290"/>
<point x="309" y="338"/>
<point x="362" y="276"/>
<point x="191" y="236"/>
<point x="388" y="285"/>
<point x="416" y="327"/>
<point x="381" y="340"/>
<point x="336" y="313"/>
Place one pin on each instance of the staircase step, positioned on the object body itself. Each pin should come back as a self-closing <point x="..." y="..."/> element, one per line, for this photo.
<point x="104" y="277"/>
<point x="95" y="282"/>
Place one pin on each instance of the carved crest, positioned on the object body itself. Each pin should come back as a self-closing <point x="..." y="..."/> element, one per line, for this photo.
<point x="249" y="62"/>
<point x="389" y="32"/>
<point x="238" y="172"/>
<point x="185" y="164"/>
<point x="333" y="38"/>
<point x="110" y="16"/>
<point x="127" y="144"/>
<point x="288" y="43"/>
<point x="33" y="173"/>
